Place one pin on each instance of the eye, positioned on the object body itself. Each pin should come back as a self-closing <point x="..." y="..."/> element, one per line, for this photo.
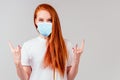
<point x="49" y="20"/>
<point x="41" y="20"/>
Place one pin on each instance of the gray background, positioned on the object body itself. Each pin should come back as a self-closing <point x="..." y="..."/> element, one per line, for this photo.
<point x="96" y="21"/>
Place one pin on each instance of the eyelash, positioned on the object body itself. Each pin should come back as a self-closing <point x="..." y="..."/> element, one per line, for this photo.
<point x="49" y="20"/>
<point x="40" y="20"/>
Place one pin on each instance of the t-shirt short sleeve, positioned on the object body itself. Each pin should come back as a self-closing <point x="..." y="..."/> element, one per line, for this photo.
<point x="25" y="55"/>
<point x="69" y="46"/>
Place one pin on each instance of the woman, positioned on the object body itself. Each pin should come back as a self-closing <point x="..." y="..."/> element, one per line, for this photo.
<point x="49" y="56"/>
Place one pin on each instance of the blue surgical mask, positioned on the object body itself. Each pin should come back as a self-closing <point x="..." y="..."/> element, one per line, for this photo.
<point x="45" y="28"/>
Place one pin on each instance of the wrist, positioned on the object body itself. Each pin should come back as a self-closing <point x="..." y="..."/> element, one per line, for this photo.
<point x="18" y="64"/>
<point x="75" y="62"/>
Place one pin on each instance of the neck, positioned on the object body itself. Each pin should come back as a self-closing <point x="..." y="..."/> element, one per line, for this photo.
<point x="44" y="37"/>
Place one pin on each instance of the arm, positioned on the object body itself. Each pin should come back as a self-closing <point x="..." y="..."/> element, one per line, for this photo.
<point x="23" y="72"/>
<point x="73" y="69"/>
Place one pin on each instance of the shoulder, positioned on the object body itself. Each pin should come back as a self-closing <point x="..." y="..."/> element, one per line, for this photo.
<point x="68" y="43"/>
<point x="30" y="42"/>
<point x="69" y="46"/>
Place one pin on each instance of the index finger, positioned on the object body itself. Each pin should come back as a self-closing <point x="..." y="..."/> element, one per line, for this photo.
<point x="10" y="45"/>
<point x="82" y="45"/>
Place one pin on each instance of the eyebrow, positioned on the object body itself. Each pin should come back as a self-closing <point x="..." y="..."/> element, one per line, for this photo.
<point x="41" y="19"/>
<point x="49" y="19"/>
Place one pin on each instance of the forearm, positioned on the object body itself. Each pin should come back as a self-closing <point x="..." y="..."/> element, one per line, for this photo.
<point x="20" y="72"/>
<point x="73" y="71"/>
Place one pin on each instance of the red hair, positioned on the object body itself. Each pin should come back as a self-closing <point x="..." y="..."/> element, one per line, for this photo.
<point x="56" y="53"/>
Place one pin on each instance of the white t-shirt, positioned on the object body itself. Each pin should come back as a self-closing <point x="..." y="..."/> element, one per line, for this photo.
<point x="32" y="54"/>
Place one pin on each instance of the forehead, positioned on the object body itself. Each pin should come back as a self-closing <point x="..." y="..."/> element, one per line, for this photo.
<point x="43" y="14"/>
